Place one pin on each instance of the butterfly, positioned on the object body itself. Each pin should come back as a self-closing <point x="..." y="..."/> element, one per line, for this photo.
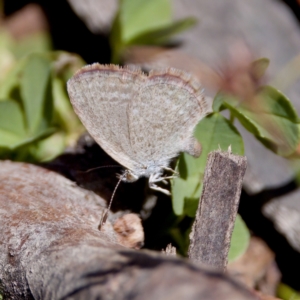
<point x="142" y="121"/>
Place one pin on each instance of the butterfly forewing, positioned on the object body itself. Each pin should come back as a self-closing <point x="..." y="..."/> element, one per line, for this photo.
<point x="100" y="96"/>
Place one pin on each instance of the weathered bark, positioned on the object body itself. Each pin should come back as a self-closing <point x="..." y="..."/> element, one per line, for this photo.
<point x="51" y="249"/>
<point x="215" y="217"/>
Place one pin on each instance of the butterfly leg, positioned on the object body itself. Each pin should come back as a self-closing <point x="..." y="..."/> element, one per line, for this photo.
<point x="170" y="170"/>
<point x="164" y="181"/>
<point x="156" y="178"/>
<point x="157" y="188"/>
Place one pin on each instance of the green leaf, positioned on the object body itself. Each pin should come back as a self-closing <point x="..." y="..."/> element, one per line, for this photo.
<point x="134" y="24"/>
<point x="31" y="84"/>
<point x="115" y="40"/>
<point x="12" y="126"/>
<point x="285" y="292"/>
<point x="162" y="36"/>
<point x="65" y="116"/>
<point x="240" y="239"/>
<point x="48" y="148"/>
<point x="140" y="16"/>
<point x="42" y="134"/>
<point x="35" y="87"/>
<point x="259" y="67"/>
<point x="218" y="102"/>
<point x="65" y="64"/>
<point x="13" y="133"/>
<point x="185" y="195"/>
<point x="11" y="118"/>
<point x="270" y="117"/>
<point x="191" y="204"/>
<point x="37" y="42"/>
<point x="11" y="80"/>
<point x="277" y="104"/>
<point x="214" y="132"/>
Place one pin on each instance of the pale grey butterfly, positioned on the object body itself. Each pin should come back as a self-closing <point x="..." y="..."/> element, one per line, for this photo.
<point x="142" y="121"/>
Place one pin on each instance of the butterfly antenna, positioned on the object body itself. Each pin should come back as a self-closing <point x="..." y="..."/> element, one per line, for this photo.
<point x="101" y="167"/>
<point x="105" y="214"/>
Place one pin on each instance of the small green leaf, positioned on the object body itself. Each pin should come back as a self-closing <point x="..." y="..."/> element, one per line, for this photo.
<point x="285" y="292"/>
<point x="134" y="24"/>
<point x="218" y="104"/>
<point x="65" y="64"/>
<point x="26" y="148"/>
<point x="11" y="117"/>
<point x="13" y="133"/>
<point x="48" y="148"/>
<point x="270" y="117"/>
<point x="259" y="67"/>
<point x="35" y="86"/>
<point x="278" y="104"/>
<point x="11" y="80"/>
<point x="214" y="132"/>
<point x="186" y="191"/>
<point x="65" y="116"/>
<point x="179" y="193"/>
<point x="191" y="204"/>
<point x="162" y="36"/>
<point x="37" y="42"/>
<point x="240" y="239"/>
<point x="37" y="137"/>
<point x="139" y="16"/>
<point x="12" y="127"/>
<point x="115" y="40"/>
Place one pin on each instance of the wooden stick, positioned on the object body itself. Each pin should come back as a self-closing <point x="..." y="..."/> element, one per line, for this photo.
<point x="215" y="217"/>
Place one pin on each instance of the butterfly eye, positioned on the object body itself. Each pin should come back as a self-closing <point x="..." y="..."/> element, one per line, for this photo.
<point x="130" y="177"/>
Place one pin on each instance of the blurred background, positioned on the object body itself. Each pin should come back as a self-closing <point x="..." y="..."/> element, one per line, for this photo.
<point x="42" y="44"/>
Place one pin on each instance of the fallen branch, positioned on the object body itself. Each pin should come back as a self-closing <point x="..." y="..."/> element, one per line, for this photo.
<point x="51" y="249"/>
